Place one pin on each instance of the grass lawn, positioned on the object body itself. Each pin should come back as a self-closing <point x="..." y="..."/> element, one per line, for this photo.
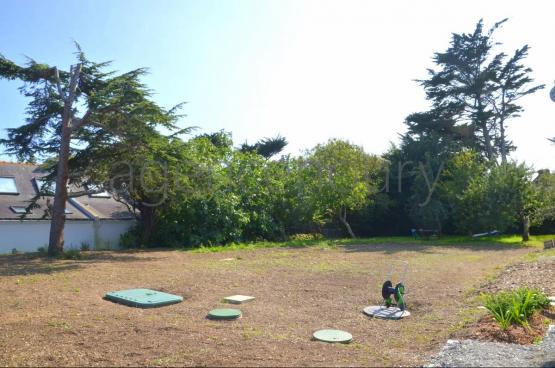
<point x="53" y="312"/>
<point x="535" y="241"/>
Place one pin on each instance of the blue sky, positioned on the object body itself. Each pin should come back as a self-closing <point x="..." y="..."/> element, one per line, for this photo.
<point x="308" y="70"/>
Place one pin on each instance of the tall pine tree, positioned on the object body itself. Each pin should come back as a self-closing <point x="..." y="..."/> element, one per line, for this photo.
<point x="74" y="112"/>
<point x="475" y="90"/>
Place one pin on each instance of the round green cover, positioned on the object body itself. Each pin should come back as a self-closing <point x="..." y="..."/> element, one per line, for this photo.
<point x="333" y="336"/>
<point x="224" y="313"/>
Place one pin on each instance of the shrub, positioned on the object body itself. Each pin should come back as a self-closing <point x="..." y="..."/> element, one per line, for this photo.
<point x="515" y="307"/>
<point x="303" y="237"/>
<point x="85" y="247"/>
<point x="71" y="254"/>
<point x="130" y="239"/>
<point x="42" y="250"/>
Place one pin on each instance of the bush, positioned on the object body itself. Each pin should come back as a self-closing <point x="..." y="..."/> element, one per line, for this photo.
<point x="303" y="237"/>
<point x="130" y="239"/>
<point x="85" y="247"/>
<point x="515" y="307"/>
<point x="71" y="254"/>
<point x="42" y="250"/>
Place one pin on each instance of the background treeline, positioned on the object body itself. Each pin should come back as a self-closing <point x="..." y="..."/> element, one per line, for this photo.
<point x="450" y="172"/>
<point x="216" y="194"/>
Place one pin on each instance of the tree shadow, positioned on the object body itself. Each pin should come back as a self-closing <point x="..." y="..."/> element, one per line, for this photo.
<point x="36" y="264"/>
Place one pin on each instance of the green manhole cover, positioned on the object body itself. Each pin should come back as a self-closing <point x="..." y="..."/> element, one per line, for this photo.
<point x="333" y="336"/>
<point x="143" y="298"/>
<point x="224" y="313"/>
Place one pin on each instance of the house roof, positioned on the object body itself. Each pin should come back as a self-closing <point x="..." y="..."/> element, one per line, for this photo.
<point x="80" y="208"/>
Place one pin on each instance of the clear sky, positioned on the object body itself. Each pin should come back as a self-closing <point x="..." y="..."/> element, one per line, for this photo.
<point x="308" y="70"/>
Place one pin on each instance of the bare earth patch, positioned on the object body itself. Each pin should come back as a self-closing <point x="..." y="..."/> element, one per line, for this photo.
<point x="53" y="313"/>
<point x="487" y="329"/>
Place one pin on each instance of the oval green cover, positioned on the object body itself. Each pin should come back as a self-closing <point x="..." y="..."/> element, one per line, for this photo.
<point x="224" y="313"/>
<point x="333" y="336"/>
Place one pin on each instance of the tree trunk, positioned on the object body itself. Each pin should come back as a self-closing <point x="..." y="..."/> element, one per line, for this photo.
<point x="439" y="227"/>
<point x="482" y="123"/>
<point x="502" y="143"/>
<point x="526" y="228"/>
<point x="147" y="223"/>
<point x="343" y="219"/>
<point x="487" y="142"/>
<point x="56" y="244"/>
<point x="56" y="241"/>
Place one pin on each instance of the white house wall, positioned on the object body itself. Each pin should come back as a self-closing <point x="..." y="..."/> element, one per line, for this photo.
<point x="29" y="235"/>
<point x="108" y="232"/>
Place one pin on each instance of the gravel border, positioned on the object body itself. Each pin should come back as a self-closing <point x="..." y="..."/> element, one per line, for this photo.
<point x="473" y="353"/>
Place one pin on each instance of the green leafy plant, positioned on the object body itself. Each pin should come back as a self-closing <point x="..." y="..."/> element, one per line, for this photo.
<point x="515" y="307"/>
<point x="85" y="246"/>
<point x="302" y="237"/>
<point x="71" y="254"/>
<point x="130" y="239"/>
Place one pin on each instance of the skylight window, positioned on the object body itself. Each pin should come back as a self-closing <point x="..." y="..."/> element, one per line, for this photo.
<point x="7" y="186"/>
<point x="99" y="194"/>
<point x="19" y="210"/>
<point x="44" y="187"/>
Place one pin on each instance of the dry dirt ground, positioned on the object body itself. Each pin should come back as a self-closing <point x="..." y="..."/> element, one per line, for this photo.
<point x="537" y="274"/>
<point x="53" y="314"/>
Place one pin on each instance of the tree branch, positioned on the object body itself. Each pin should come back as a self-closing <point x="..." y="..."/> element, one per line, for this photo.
<point x="82" y="193"/>
<point x="85" y="120"/>
<point x="79" y="122"/>
<point x="117" y="198"/>
<point x="73" y="82"/>
<point x="59" y="84"/>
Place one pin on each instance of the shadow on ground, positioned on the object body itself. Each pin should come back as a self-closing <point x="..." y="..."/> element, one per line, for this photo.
<point x="34" y="264"/>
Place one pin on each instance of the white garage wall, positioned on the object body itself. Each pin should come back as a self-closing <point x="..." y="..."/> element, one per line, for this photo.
<point x="29" y="235"/>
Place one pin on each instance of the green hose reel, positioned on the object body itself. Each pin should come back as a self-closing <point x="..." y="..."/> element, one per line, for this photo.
<point x="394" y="296"/>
